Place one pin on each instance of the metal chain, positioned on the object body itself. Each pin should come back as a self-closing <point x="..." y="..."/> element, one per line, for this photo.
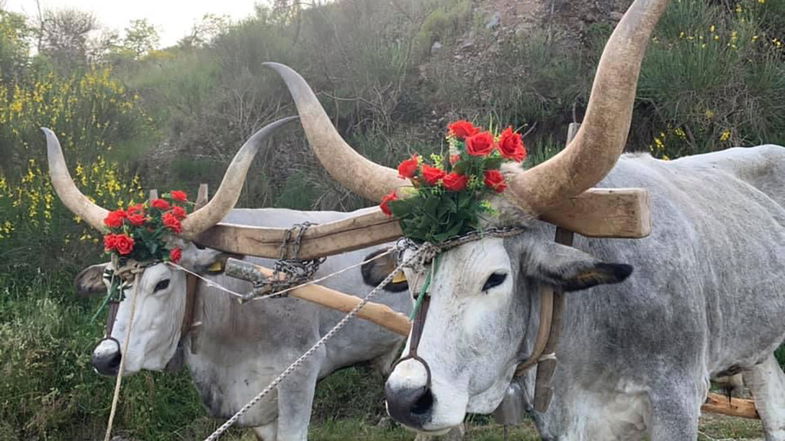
<point x="289" y="270"/>
<point x="297" y="363"/>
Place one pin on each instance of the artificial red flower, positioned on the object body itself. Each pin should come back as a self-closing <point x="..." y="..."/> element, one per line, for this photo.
<point x="494" y="179"/>
<point x="110" y="241"/>
<point x="171" y="222"/>
<point x="115" y="218"/>
<point x="385" y="201"/>
<point x="179" y="212"/>
<point x="175" y="255"/>
<point x="137" y="219"/>
<point x="432" y="175"/>
<point x="408" y="168"/>
<point x="454" y="159"/>
<point x="511" y="145"/>
<point x="455" y="181"/>
<point x="178" y="195"/>
<point x="160" y="204"/>
<point x="462" y="129"/>
<point x="480" y="144"/>
<point x="138" y="208"/>
<point x="123" y="244"/>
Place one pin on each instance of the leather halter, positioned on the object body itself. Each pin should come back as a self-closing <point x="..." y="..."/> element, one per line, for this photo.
<point x="414" y="343"/>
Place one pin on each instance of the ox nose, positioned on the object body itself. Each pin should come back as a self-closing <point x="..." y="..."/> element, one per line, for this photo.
<point x="409" y="406"/>
<point x="106" y="357"/>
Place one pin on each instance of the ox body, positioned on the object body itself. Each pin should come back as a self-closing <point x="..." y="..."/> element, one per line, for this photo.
<point x="240" y="348"/>
<point x="706" y="298"/>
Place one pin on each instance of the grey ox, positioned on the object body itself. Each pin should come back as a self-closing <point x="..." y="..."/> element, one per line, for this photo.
<point x="707" y="295"/>
<point x="240" y="348"/>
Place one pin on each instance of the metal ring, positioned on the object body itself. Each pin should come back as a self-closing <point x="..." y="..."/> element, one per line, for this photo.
<point x="422" y="362"/>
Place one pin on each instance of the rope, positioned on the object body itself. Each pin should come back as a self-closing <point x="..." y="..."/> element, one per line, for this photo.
<point x="123" y="356"/>
<point x="283" y="291"/>
<point x="297" y="363"/>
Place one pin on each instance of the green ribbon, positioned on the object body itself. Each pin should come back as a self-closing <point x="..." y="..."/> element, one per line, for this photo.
<point x="425" y="287"/>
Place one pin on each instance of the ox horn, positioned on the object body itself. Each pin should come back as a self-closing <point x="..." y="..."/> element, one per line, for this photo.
<point x="219" y="206"/>
<point x="65" y="188"/>
<point x="603" y="134"/>
<point x="345" y="165"/>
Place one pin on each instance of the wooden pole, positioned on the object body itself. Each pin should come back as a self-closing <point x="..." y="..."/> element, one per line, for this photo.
<point x="716" y="403"/>
<point x="377" y="313"/>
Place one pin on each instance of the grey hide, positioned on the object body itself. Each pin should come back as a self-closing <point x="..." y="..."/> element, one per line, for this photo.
<point x="635" y="358"/>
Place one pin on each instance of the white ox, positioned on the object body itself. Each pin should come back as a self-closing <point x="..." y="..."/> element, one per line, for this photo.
<point x="635" y="358"/>
<point x="239" y="348"/>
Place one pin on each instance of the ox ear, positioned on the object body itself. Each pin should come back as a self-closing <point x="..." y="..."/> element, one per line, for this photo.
<point x="90" y="280"/>
<point x="375" y="271"/>
<point x="573" y="270"/>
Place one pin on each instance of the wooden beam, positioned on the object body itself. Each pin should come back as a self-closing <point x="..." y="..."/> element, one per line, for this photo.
<point x="376" y="313"/>
<point x="716" y="403"/>
<point x="595" y="213"/>
<point x="605" y="212"/>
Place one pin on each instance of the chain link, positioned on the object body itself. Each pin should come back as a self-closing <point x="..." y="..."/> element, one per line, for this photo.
<point x="289" y="270"/>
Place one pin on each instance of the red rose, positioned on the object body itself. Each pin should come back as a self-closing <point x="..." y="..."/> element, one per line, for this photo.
<point x="462" y="129"/>
<point x="178" y="195"/>
<point x="455" y="181"/>
<point x="179" y="213"/>
<point x="385" y="200"/>
<point x="115" y="218"/>
<point x="160" y="204"/>
<point x="175" y="255"/>
<point x="408" y="168"/>
<point x="110" y="242"/>
<point x="480" y="144"/>
<point x="137" y="219"/>
<point x="432" y="174"/>
<point x="123" y="244"/>
<point x="511" y="145"/>
<point x="454" y="159"/>
<point x="171" y="222"/>
<point x="138" y="208"/>
<point x="494" y="179"/>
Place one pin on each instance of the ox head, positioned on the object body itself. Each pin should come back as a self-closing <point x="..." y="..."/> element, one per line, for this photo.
<point x="161" y="288"/>
<point x="483" y="291"/>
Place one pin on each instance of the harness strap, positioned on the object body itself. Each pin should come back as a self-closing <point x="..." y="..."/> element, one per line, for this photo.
<point x="414" y="343"/>
<point x="187" y="326"/>
<point x="549" y="331"/>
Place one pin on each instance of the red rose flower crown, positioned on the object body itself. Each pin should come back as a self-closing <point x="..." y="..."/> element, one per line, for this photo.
<point x="451" y="195"/>
<point x="139" y="233"/>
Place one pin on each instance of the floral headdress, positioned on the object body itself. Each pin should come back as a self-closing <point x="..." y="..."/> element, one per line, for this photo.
<point x="451" y="194"/>
<point x="139" y="233"/>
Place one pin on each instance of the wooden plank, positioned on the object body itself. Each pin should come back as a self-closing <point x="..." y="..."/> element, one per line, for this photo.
<point x="605" y="212"/>
<point x="716" y="403"/>
<point x="376" y="313"/>
<point x="595" y="213"/>
<point x="321" y="240"/>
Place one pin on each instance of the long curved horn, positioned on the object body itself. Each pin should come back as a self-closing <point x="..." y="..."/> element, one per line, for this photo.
<point x="602" y="136"/>
<point x="344" y="164"/>
<point x="229" y="191"/>
<point x="65" y="188"/>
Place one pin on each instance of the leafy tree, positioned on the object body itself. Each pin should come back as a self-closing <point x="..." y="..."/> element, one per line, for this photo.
<point x="14" y="45"/>
<point x="140" y="37"/>
<point x="64" y="37"/>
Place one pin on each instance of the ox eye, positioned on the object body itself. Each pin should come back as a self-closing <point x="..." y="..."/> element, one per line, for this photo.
<point x="495" y="279"/>
<point x="163" y="284"/>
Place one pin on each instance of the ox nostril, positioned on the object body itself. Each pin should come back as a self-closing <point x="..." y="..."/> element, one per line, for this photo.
<point x="409" y="406"/>
<point x="424" y="404"/>
<point x="107" y="364"/>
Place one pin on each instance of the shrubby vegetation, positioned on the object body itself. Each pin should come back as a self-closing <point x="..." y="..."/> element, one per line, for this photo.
<point x="132" y="116"/>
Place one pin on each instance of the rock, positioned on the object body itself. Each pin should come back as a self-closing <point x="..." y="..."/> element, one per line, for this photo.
<point x="616" y="15"/>
<point x="495" y="20"/>
<point x="436" y="48"/>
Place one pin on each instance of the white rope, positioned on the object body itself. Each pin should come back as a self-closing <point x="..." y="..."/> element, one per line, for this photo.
<point x="123" y="356"/>
<point x="283" y="291"/>
<point x="297" y="363"/>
